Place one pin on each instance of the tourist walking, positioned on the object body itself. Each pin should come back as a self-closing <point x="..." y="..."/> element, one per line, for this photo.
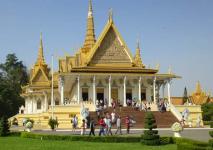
<point x="102" y="126"/>
<point x="113" y="117"/>
<point x="108" y="126"/>
<point x="118" y="125"/>
<point x="83" y="127"/>
<point x="74" y="122"/>
<point x="127" y="121"/>
<point x="92" y="127"/>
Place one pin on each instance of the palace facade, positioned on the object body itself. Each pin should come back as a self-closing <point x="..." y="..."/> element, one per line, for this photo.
<point x="102" y="69"/>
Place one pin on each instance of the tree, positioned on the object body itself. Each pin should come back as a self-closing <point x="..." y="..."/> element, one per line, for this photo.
<point x="15" y="72"/>
<point x="150" y="136"/>
<point x="185" y="96"/>
<point x="207" y="109"/>
<point x="4" y="126"/>
<point x="13" y="75"/>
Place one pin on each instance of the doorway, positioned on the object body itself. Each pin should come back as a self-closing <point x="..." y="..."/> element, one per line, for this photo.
<point x="100" y="94"/>
<point x="114" y="94"/>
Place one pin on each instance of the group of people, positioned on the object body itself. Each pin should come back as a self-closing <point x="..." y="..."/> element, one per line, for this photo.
<point x="105" y="124"/>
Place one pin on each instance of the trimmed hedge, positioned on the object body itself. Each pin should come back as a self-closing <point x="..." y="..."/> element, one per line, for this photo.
<point x="109" y="139"/>
<point x="207" y="122"/>
<point x="211" y="142"/>
<point x="186" y="146"/>
<point x="182" y="143"/>
<point x="211" y="133"/>
<point x="189" y="144"/>
<point x="16" y="134"/>
<point x="166" y="140"/>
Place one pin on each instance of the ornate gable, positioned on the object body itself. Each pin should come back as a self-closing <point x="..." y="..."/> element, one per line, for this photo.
<point x="110" y="49"/>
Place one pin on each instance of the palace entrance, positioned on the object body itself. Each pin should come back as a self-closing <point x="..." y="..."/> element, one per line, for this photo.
<point x="114" y="94"/>
<point x="100" y="94"/>
<point x="129" y="94"/>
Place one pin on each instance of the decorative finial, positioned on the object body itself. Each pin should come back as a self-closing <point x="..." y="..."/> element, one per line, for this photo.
<point x="138" y="44"/>
<point x="157" y="66"/>
<point x="90" y="9"/>
<point x="110" y="14"/>
<point x="138" y="60"/>
<point x="40" y="59"/>
<point x="198" y="87"/>
<point x="170" y="70"/>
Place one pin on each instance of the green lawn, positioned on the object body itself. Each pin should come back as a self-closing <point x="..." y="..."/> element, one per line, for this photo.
<point x="17" y="143"/>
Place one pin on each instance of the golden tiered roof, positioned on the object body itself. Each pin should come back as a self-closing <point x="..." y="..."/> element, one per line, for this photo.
<point x="138" y="60"/>
<point x="40" y="71"/>
<point x="109" y="51"/>
<point x="199" y="97"/>
<point x="90" y="33"/>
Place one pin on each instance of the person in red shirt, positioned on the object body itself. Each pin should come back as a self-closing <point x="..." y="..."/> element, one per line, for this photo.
<point x="102" y="126"/>
<point x="127" y="121"/>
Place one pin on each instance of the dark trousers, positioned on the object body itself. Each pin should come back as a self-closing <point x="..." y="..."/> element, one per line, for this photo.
<point x="101" y="131"/>
<point x="127" y="129"/>
<point x="92" y="131"/>
<point x="118" y="130"/>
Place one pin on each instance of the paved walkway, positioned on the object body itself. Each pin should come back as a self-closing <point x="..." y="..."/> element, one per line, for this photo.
<point x="201" y="134"/>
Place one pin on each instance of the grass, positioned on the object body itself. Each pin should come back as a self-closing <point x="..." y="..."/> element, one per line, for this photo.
<point x="17" y="143"/>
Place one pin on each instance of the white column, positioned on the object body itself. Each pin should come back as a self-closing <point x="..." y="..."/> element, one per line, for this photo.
<point x="109" y="101"/>
<point x="94" y="91"/>
<point x="168" y="88"/>
<point x="139" y="89"/>
<point x="78" y="90"/>
<point x="124" y="92"/>
<point x="154" y="89"/>
<point x="62" y="90"/>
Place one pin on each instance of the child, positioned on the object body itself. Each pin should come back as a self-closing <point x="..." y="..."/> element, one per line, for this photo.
<point x="83" y="127"/>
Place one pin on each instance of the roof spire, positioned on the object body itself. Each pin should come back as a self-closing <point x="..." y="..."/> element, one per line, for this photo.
<point x="90" y="33"/>
<point x="40" y="59"/>
<point x="110" y="14"/>
<point x="138" y="60"/>
<point x="90" y="9"/>
<point x="198" y="87"/>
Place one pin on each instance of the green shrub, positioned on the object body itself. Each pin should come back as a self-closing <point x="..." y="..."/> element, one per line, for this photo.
<point x="111" y="139"/>
<point x="166" y="140"/>
<point x="186" y="146"/>
<point x="16" y="134"/>
<point x="211" y="124"/>
<point x="4" y="126"/>
<point x="189" y="141"/>
<point x="207" y="109"/>
<point x="207" y="122"/>
<point x="211" y="133"/>
<point x="53" y="123"/>
<point x="211" y="142"/>
<point x="150" y="136"/>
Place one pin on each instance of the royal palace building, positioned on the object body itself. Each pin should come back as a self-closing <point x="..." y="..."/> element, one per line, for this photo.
<point x="102" y="69"/>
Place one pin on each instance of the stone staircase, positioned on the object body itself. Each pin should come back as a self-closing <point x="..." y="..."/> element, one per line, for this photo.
<point x="164" y="120"/>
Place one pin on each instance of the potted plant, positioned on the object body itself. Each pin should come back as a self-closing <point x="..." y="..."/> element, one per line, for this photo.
<point x="53" y="123"/>
<point x="177" y="128"/>
<point x="29" y="126"/>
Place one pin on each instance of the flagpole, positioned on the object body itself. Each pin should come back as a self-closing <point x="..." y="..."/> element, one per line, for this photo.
<point x="52" y="94"/>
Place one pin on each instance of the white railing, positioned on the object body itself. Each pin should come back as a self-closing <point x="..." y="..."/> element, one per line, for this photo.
<point x="175" y="112"/>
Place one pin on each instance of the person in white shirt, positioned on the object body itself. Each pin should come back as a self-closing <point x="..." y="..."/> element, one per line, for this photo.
<point x="118" y="125"/>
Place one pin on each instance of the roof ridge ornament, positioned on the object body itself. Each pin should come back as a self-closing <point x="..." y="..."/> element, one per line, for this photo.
<point x="170" y="70"/>
<point x="110" y="14"/>
<point x="40" y="59"/>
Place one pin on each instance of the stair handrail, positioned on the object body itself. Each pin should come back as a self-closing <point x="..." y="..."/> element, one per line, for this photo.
<point x="175" y="112"/>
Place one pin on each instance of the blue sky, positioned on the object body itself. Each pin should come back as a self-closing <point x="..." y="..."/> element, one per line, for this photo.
<point x="177" y="33"/>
